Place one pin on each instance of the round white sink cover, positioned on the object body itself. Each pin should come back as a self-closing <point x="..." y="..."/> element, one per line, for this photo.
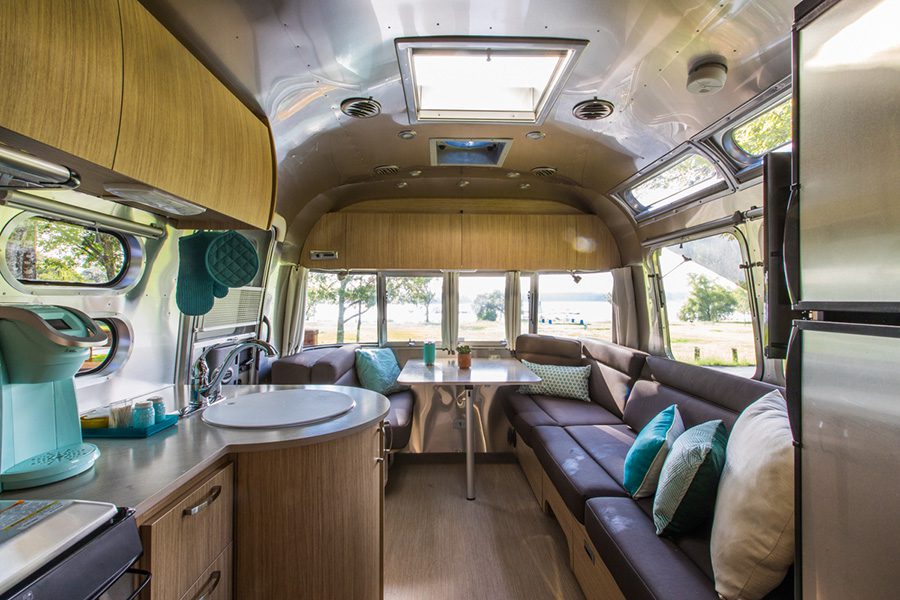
<point x="282" y="408"/>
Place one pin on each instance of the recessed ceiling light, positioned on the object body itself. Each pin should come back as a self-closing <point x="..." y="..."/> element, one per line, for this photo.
<point x="402" y="184"/>
<point x="484" y="79"/>
<point x="535" y="135"/>
<point x="463" y="183"/>
<point x="407" y="134"/>
<point x="513" y="174"/>
<point x="415" y="173"/>
<point x="524" y="186"/>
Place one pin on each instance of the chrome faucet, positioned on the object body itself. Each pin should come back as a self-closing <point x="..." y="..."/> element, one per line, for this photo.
<point x="205" y="389"/>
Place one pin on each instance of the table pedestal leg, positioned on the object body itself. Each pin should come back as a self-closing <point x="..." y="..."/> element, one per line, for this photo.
<point x="470" y="443"/>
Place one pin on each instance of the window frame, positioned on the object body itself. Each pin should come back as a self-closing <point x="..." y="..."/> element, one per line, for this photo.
<point x="382" y="316"/>
<point x="504" y="343"/>
<point x="119" y="353"/>
<point x="128" y="277"/>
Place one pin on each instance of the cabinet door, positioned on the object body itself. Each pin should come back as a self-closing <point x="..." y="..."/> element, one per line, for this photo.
<point x="184" y="132"/>
<point x="61" y="65"/>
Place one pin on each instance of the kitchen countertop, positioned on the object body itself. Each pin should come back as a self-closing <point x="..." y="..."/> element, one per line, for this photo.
<point x="140" y="473"/>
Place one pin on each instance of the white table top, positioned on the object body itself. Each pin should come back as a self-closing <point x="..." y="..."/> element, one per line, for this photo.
<point x="484" y="371"/>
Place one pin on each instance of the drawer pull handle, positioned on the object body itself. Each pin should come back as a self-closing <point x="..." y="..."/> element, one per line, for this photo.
<point x="209" y="587"/>
<point x="589" y="552"/>
<point x="210" y="498"/>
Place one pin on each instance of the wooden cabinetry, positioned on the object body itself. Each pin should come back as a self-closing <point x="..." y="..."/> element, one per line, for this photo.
<point x="187" y="545"/>
<point x="184" y="132"/>
<point x="61" y="68"/>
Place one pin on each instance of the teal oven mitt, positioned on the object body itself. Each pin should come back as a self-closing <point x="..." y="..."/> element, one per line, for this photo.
<point x="231" y="260"/>
<point x="195" y="288"/>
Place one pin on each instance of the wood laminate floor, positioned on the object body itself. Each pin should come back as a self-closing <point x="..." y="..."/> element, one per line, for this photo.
<point x="440" y="546"/>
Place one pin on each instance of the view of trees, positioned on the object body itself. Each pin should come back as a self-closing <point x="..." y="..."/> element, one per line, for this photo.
<point x="489" y="307"/>
<point x="767" y="131"/>
<point x="709" y="301"/>
<point x="44" y="250"/>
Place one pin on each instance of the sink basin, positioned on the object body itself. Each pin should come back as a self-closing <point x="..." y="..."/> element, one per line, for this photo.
<point x="282" y="408"/>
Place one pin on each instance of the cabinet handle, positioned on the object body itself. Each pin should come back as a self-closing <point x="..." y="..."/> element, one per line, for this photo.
<point x="588" y="551"/>
<point x="210" y="498"/>
<point x="209" y="587"/>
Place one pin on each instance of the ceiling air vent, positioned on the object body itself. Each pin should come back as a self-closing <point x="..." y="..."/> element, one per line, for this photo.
<point x="386" y="170"/>
<point x="544" y="171"/>
<point x="361" y="108"/>
<point x="592" y="110"/>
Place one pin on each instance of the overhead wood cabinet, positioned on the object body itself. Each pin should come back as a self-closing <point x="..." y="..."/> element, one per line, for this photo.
<point x="61" y="68"/>
<point x="184" y="132"/>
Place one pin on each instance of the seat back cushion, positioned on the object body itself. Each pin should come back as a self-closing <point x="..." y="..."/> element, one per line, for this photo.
<point x="614" y="369"/>
<point x="549" y="350"/>
<point x="378" y="370"/>
<point x="702" y="394"/>
<point x="296" y="369"/>
<point x="336" y="367"/>
<point x="752" y="542"/>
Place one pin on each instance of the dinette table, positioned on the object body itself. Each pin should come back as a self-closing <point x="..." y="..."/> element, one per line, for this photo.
<point x="484" y="371"/>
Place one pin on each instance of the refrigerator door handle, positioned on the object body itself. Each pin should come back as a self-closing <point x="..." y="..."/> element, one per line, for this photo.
<point x="791" y="248"/>
<point x="792" y="390"/>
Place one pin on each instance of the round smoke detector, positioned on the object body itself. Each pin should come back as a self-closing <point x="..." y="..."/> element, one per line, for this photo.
<point x="707" y="78"/>
<point x="361" y="108"/>
<point x="593" y="110"/>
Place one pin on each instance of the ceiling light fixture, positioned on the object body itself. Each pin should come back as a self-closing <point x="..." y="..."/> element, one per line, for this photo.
<point x="484" y="79"/>
<point x="402" y="184"/>
<point x="536" y="135"/>
<point x="513" y="174"/>
<point x="463" y="183"/>
<point x="415" y="173"/>
<point x="407" y="134"/>
<point x="154" y="198"/>
<point x="524" y="186"/>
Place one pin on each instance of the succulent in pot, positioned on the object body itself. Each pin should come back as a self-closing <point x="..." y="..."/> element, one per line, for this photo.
<point x="465" y="357"/>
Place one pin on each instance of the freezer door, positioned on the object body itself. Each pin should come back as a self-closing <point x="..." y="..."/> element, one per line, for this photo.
<point x="850" y="461"/>
<point x="847" y="90"/>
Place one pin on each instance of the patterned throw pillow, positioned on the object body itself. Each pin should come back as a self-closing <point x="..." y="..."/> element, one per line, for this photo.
<point x="646" y="456"/>
<point x="378" y="370"/>
<point x="686" y="495"/>
<point x="564" y="382"/>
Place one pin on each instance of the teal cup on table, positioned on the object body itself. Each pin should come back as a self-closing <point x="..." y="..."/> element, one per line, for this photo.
<point x="428" y="353"/>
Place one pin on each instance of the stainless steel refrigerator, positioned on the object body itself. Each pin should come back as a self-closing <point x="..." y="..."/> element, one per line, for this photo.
<point x="842" y="263"/>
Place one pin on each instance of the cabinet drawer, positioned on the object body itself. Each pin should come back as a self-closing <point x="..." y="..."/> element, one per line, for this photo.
<point x="595" y="580"/>
<point x="215" y="582"/>
<point x="184" y="540"/>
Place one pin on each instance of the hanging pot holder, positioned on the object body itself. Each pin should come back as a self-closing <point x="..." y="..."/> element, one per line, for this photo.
<point x="231" y="260"/>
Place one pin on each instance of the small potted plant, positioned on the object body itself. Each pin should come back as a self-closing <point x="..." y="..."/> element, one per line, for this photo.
<point x="465" y="357"/>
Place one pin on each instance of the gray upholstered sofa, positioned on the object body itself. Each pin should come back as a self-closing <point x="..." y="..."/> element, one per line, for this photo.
<point x="337" y="366"/>
<point x="573" y="454"/>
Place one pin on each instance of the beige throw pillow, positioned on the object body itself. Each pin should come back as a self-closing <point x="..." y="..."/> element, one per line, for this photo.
<point x="752" y="542"/>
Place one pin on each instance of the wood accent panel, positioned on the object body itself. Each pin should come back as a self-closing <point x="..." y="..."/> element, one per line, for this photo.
<point x="567" y="522"/>
<point x="594" y="246"/>
<point x="61" y="66"/>
<point x="593" y="576"/>
<point x="184" y="132"/>
<point x="179" y="547"/>
<point x="309" y="521"/>
<point x="215" y="582"/>
<point x="501" y="206"/>
<point x="532" y="469"/>
<point x="329" y="233"/>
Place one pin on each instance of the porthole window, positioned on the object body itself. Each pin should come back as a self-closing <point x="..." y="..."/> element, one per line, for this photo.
<point x="41" y="251"/>
<point x="100" y="357"/>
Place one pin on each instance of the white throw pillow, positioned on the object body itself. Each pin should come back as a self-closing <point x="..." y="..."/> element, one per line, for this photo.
<point x="752" y="543"/>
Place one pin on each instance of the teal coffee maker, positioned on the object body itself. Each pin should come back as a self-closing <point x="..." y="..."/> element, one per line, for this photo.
<point x="41" y="350"/>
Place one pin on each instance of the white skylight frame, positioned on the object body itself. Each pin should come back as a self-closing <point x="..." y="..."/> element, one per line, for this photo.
<point x="411" y="51"/>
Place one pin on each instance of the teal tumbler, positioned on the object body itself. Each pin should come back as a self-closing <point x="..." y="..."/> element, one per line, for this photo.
<point x="428" y="353"/>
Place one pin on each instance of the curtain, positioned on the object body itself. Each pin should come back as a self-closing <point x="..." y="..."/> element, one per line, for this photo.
<point x="450" y="310"/>
<point x="294" y="310"/>
<point x="624" y="312"/>
<point x="513" y="308"/>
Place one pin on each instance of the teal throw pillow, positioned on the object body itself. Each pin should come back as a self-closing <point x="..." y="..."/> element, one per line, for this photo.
<point x="378" y="370"/>
<point x="686" y="495"/>
<point x="646" y="456"/>
<point x="564" y="382"/>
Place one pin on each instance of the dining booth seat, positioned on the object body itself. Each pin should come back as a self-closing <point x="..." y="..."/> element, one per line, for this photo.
<point x="337" y="366"/>
<point x="573" y="455"/>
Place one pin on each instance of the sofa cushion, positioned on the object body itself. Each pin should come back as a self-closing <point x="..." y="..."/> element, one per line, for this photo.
<point x="334" y="367"/>
<point x="378" y="370"/>
<point x="566" y="412"/>
<point x="400" y="418"/>
<point x="607" y="445"/>
<point x="645" y="566"/>
<point x="573" y="472"/>
<point x="686" y="495"/>
<point x="558" y="380"/>
<point x="646" y="456"/>
<point x="523" y="413"/>
<point x="752" y="541"/>
<point x="296" y="369"/>
<point x="614" y="369"/>
<point x="549" y="350"/>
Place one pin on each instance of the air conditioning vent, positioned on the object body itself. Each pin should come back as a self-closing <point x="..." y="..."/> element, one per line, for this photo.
<point x="323" y="255"/>
<point x="544" y="171"/>
<point x="593" y="110"/>
<point x="240" y="308"/>
<point x="361" y="108"/>
<point x="386" y="170"/>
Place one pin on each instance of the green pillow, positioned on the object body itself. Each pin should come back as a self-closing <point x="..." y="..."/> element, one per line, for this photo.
<point x="646" y="456"/>
<point x="564" y="382"/>
<point x="686" y="495"/>
<point x="378" y="370"/>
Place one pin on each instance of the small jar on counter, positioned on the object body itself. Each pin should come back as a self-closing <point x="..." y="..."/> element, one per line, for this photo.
<point x="159" y="409"/>
<point x="142" y="415"/>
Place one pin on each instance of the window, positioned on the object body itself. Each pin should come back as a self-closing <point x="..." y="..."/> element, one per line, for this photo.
<point x="482" y="308"/>
<point x="100" y="357"/>
<point x="341" y="308"/>
<point x="575" y="305"/>
<point x="41" y="251"/>
<point x="413" y="308"/>
<point x="770" y="130"/>
<point x="687" y="177"/>
<point x="707" y="304"/>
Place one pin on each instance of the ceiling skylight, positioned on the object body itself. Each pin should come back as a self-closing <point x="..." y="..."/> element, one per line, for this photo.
<point x="495" y="80"/>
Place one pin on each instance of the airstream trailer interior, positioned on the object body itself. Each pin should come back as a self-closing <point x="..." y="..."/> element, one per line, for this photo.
<point x="408" y="299"/>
